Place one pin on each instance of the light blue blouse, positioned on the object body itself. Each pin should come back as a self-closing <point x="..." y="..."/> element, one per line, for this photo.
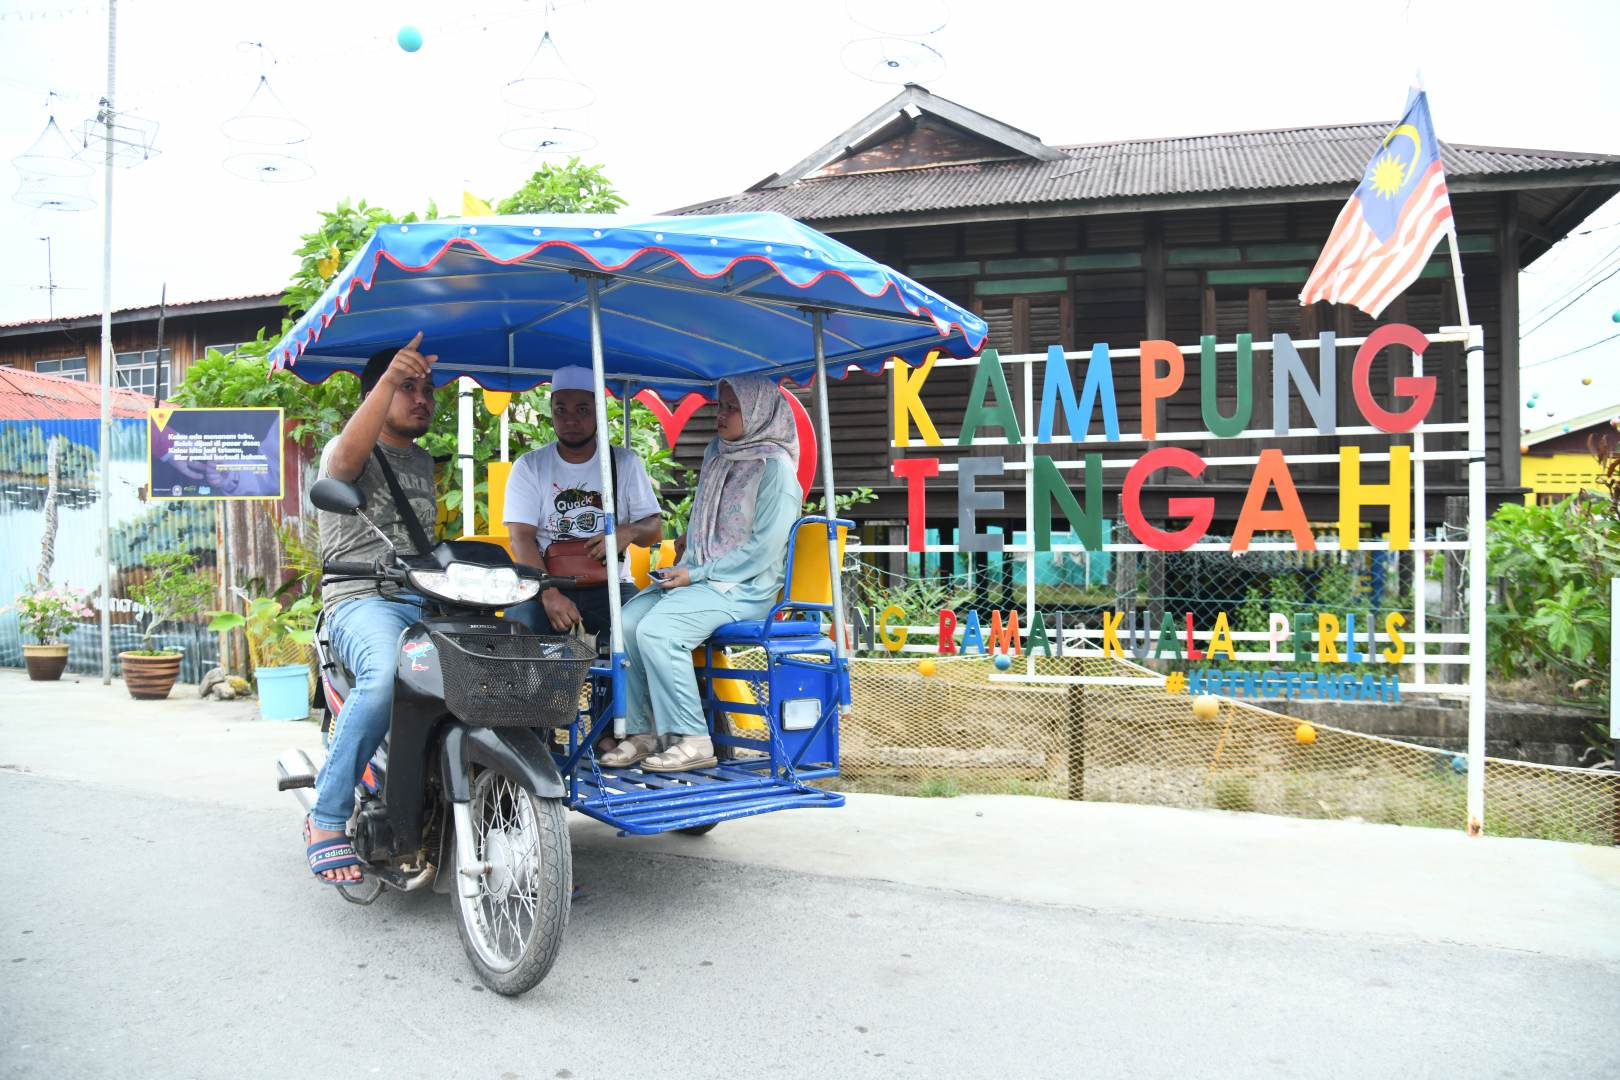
<point x="753" y="572"/>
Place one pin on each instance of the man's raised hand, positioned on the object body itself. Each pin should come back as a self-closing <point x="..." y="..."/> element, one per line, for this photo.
<point x="409" y="364"/>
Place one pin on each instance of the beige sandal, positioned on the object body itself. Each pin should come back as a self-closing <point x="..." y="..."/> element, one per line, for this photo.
<point x="686" y="753"/>
<point x="630" y="751"/>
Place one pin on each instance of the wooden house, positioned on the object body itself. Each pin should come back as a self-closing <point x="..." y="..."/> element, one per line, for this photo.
<point x="71" y="346"/>
<point x="1165" y="238"/>
<point x="1561" y="459"/>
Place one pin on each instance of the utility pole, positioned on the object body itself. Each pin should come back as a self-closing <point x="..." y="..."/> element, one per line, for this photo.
<point x="107" y="355"/>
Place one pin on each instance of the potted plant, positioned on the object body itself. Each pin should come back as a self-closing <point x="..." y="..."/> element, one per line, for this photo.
<point x="172" y="591"/>
<point x="278" y="640"/>
<point x="48" y="615"/>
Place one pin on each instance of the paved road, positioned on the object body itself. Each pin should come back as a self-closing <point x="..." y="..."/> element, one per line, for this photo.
<point x="149" y="936"/>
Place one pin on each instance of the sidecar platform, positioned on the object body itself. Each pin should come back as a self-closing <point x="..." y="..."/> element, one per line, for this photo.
<point x="773" y="739"/>
<point x="640" y="803"/>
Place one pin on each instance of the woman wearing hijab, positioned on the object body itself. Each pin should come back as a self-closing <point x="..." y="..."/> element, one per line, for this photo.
<point x="730" y="569"/>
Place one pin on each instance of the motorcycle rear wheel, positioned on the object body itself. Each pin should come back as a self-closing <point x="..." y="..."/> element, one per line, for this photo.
<point x="512" y="930"/>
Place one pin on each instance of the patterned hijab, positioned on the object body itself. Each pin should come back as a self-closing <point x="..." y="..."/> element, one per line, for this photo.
<point x="722" y="516"/>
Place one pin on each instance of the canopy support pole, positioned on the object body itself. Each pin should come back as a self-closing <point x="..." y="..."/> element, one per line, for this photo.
<point x="610" y="502"/>
<point x="506" y="429"/>
<point x="464" y="453"/>
<point x="624" y="413"/>
<point x="830" y="488"/>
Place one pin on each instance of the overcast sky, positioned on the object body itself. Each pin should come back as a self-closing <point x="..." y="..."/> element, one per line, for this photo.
<point x="701" y="98"/>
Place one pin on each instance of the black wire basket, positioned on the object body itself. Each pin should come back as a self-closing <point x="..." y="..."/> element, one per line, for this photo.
<point x="513" y="680"/>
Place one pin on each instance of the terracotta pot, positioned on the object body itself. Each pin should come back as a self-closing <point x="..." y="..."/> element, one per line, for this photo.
<point x="149" y="678"/>
<point x="45" y="662"/>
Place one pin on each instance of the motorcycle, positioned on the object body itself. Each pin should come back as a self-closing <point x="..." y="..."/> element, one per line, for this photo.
<point x="463" y="795"/>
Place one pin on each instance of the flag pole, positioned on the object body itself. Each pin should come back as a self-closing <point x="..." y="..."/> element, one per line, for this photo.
<point x="1474" y="369"/>
<point x="1457" y="274"/>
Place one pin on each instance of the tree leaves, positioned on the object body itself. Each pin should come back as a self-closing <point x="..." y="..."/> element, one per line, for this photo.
<point x="563" y="189"/>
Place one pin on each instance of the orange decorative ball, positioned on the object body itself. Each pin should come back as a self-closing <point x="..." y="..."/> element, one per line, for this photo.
<point x="926" y="667"/>
<point x="1206" y="707"/>
<point x="1305" y="734"/>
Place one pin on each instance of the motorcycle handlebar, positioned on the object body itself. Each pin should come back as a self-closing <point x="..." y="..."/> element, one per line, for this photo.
<point x="556" y="581"/>
<point x="352" y="569"/>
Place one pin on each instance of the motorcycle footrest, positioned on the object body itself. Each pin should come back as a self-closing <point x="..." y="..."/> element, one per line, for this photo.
<point x="295" y="770"/>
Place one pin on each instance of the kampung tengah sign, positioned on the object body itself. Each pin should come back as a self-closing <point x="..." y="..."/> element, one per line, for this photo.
<point x="1272" y="504"/>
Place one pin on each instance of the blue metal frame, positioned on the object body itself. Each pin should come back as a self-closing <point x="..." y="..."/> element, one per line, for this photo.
<point x="637" y="802"/>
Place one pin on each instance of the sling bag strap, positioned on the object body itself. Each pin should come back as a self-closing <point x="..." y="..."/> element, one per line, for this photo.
<point x="407" y="514"/>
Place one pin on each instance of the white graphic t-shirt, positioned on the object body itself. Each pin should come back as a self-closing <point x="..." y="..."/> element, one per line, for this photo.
<point x="563" y="501"/>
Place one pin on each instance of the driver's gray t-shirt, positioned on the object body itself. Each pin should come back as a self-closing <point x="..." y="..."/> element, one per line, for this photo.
<point x="345" y="538"/>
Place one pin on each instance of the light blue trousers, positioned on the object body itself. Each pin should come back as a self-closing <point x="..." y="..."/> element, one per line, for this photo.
<point x="661" y="628"/>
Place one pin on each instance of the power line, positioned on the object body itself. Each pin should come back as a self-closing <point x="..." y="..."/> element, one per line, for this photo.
<point x="1572" y="300"/>
<point x="1603" y="262"/>
<point x="1572" y="352"/>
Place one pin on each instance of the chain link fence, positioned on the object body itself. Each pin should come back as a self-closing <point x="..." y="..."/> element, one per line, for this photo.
<point x="928" y="724"/>
<point x="956" y="730"/>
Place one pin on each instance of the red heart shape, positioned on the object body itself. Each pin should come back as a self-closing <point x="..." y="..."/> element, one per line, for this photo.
<point x="673" y="422"/>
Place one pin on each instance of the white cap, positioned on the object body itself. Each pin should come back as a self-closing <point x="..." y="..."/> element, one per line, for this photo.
<point x="573" y="378"/>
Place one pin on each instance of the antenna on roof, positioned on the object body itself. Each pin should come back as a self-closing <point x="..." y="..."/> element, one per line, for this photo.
<point x="50" y="281"/>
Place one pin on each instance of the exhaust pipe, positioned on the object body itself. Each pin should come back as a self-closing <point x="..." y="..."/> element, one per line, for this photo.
<point x="296" y="773"/>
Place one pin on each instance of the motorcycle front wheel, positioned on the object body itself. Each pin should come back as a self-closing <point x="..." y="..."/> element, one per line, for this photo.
<point x="513" y="929"/>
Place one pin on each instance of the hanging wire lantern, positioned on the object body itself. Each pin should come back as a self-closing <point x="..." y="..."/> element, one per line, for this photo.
<point x="265" y="121"/>
<point x="52" y="177"/>
<point x="266" y="140"/>
<point x="893" y="60"/>
<point x="547" y="84"/>
<point x="535" y="134"/>
<point x="267" y="167"/>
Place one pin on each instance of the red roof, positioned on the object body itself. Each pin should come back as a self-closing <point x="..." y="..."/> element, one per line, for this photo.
<point x="28" y="395"/>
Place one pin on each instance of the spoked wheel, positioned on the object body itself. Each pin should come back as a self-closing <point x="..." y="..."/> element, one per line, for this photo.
<point x="513" y="929"/>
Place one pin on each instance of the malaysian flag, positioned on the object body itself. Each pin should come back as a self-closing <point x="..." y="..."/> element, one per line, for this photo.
<point x="1391" y="224"/>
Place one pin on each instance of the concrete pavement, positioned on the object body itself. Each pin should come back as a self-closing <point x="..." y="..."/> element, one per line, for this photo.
<point x="158" y="922"/>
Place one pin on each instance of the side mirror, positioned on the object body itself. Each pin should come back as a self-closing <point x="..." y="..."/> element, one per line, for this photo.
<point x="336" y="496"/>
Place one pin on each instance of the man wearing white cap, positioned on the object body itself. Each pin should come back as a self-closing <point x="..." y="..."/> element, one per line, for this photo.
<point x="554" y="512"/>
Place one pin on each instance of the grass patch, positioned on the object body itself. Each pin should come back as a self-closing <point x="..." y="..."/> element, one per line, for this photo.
<point x="938" y="787"/>
<point x="1234" y="793"/>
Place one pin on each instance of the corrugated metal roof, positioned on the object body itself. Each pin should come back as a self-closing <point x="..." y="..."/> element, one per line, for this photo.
<point x="1330" y="156"/>
<point x="1574" y="426"/>
<point x="28" y="395"/>
<point x="175" y="308"/>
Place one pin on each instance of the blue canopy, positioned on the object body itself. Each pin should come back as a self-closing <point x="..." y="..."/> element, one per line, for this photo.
<point x="685" y="301"/>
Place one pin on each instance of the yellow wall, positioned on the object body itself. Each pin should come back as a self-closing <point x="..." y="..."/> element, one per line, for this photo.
<point x="1558" y="474"/>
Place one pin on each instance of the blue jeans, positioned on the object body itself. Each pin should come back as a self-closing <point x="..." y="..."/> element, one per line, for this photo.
<point x="365" y="633"/>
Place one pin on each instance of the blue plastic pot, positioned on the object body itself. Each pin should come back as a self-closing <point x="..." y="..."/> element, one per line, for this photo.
<point x="283" y="692"/>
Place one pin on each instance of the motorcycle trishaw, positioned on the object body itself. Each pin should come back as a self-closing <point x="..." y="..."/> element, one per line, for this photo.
<point x="495" y="729"/>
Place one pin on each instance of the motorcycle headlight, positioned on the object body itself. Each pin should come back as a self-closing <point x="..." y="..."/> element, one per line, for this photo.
<point x="477" y="586"/>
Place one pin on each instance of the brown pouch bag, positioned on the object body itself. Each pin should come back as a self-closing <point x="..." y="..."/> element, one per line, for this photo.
<point x="569" y="558"/>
